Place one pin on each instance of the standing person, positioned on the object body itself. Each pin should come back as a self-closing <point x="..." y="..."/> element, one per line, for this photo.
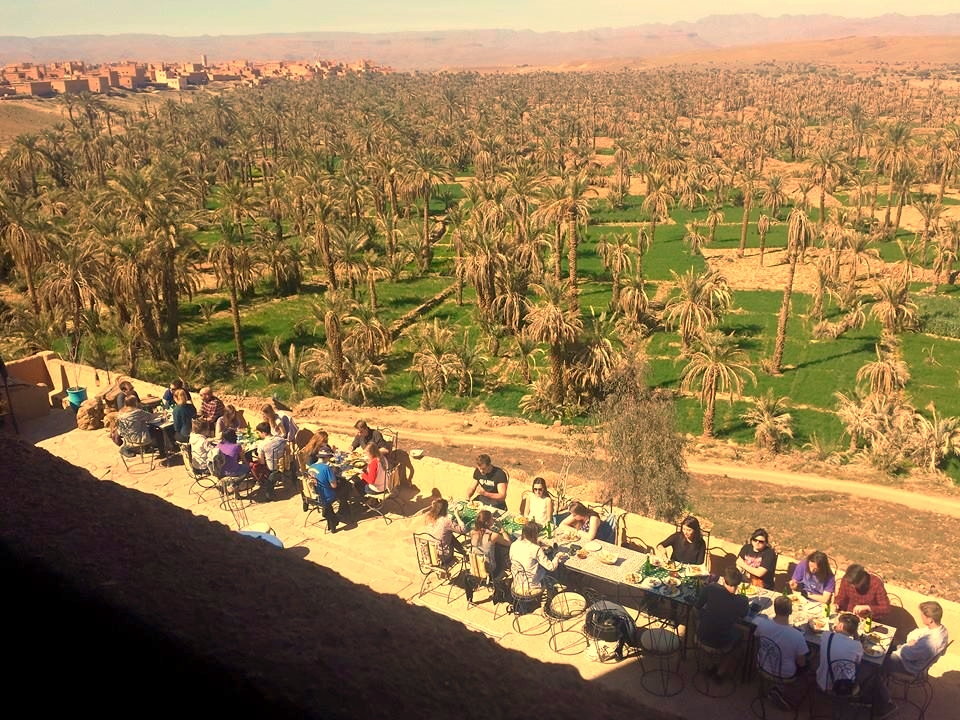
<point x="184" y="413"/>
<point x="365" y="434"/>
<point x="840" y="644"/>
<point x="489" y="483"/>
<point x="326" y="483"/>
<point x="720" y="609"/>
<point x="536" y="504"/>
<point x="757" y="560"/>
<point x="791" y="644"/>
<point x="126" y="390"/>
<point x="814" y="578"/>
<point x="167" y="399"/>
<point x="686" y="546"/>
<point x="862" y="594"/>
<point x="232" y="419"/>
<point x="281" y="423"/>
<point x="211" y="407"/>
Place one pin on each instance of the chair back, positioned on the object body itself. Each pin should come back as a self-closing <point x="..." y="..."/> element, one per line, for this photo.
<point x="522" y="585"/>
<point x="391" y="439"/>
<point x="478" y="565"/>
<point x="428" y="552"/>
<point x="770" y="659"/>
<point x="187" y="456"/>
<point x="933" y="660"/>
<point x="842" y="678"/>
<point x="616" y="521"/>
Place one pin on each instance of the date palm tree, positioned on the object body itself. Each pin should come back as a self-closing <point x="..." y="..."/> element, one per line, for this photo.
<point x="893" y="307"/>
<point x="770" y="422"/>
<point x="774" y="197"/>
<point x="234" y="265"/>
<point x="554" y="322"/>
<point x="763" y="227"/>
<point x="827" y="165"/>
<point x="657" y="202"/>
<point x="700" y="301"/>
<point x="615" y="251"/>
<point x="748" y="181"/>
<point x="799" y="235"/>
<point x="424" y="173"/>
<point x="893" y="153"/>
<point x="716" y="364"/>
<point x="23" y="232"/>
<point x="886" y="375"/>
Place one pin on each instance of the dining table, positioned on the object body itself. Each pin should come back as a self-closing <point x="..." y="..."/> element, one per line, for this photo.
<point x="809" y="617"/>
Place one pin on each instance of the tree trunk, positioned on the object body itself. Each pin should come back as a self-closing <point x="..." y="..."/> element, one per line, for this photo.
<point x="331" y="324"/>
<point x="784" y="316"/>
<point x="886" y="219"/>
<point x="743" y="225"/>
<point x="556" y="367"/>
<point x="372" y="290"/>
<point x="615" y="292"/>
<point x="572" y="242"/>
<point x="235" y="313"/>
<point x="171" y="299"/>
<point x="323" y="237"/>
<point x="900" y="202"/>
<point x="763" y="246"/>
<point x="558" y="254"/>
<point x="823" y="199"/>
<point x="426" y="251"/>
<point x="709" y="412"/>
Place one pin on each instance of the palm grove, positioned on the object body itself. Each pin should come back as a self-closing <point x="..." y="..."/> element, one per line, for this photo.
<point x="490" y="191"/>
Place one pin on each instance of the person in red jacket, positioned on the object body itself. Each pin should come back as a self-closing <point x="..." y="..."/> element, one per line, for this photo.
<point x="862" y="594"/>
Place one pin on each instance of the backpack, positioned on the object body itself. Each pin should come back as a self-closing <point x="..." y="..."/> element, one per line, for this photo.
<point x="217" y="463"/>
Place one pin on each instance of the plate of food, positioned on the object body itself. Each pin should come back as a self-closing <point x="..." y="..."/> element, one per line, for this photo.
<point x="582" y="554"/>
<point x="817" y="624"/>
<point x="633" y="578"/>
<point x="873" y="649"/>
<point x="593" y="546"/>
<point x="608" y="558"/>
<point x="565" y="535"/>
<point x="416" y="453"/>
<point x="520" y="519"/>
<point x="474" y="504"/>
<point x="656" y="561"/>
<point x="752" y="591"/>
<point x="652" y="583"/>
<point x="671" y="582"/>
<point x="669" y="591"/>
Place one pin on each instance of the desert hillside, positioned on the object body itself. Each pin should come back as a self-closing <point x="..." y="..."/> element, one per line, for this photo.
<point x="434" y="50"/>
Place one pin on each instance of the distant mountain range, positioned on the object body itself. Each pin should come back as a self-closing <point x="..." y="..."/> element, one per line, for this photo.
<point x="434" y="50"/>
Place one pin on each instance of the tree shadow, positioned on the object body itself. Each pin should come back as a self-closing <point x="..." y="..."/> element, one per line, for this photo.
<point x="863" y="347"/>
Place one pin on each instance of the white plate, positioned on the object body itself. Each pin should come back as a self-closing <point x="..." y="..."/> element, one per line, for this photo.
<point x="593" y="546"/>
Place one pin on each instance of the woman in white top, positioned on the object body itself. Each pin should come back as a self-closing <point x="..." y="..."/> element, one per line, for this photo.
<point x="537" y="505"/>
<point x="281" y="423"/>
<point x="201" y="446"/>
<point x="529" y="561"/>
<point x="232" y="419"/>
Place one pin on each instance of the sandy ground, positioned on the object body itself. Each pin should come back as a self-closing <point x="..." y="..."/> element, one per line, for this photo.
<point x="381" y="556"/>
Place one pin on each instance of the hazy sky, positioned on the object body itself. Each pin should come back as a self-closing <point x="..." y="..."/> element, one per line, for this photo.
<point x="222" y="17"/>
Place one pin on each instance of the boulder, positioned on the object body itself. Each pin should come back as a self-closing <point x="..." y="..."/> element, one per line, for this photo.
<point x="90" y="415"/>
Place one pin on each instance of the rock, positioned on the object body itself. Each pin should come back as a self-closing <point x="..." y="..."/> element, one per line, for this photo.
<point x="90" y="415"/>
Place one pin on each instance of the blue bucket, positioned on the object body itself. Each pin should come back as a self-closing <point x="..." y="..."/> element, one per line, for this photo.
<point x="76" y="397"/>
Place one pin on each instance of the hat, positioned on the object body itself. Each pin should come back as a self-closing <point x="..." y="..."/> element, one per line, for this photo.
<point x="324" y="454"/>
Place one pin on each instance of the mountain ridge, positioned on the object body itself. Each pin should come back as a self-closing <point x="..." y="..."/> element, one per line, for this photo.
<point x="448" y="49"/>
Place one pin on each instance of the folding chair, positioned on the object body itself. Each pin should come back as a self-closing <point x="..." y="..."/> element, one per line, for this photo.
<point x="432" y="564"/>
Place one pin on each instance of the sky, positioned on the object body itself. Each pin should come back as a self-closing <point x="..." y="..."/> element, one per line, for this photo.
<point x="229" y="17"/>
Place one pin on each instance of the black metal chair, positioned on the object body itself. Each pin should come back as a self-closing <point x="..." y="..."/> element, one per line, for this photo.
<point x="709" y="658"/>
<point x="842" y="693"/>
<point x="769" y="661"/>
<point x="920" y="681"/>
<point x="525" y="600"/>
<point x="563" y="610"/>
<point x="659" y="662"/>
<point x="202" y="480"/>
<point x="433" y="564"/>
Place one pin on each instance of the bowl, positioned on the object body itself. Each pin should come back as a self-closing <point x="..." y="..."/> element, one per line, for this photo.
<point x="817" y="625"/>
<point x="519" y="519"/>
<point x="582" y="554"/>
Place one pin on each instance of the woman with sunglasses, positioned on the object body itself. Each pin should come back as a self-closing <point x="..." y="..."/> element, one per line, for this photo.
<point x="757" y="560"/>
<point x="537" y="505"/>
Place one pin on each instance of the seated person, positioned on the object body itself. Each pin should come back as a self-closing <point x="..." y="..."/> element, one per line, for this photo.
<point x="366" y="435"/>
<point x="814" y="578"/>
<point x="270" y="450"/>
<point x="167" y="400"/>
<point x="862" y="594"/>
<point x="920" y="648"/>
<point x="839" y="644"/>
<point x="489" y="484"/>
<point x="211" y="407"/>
<point x="326" y="484"/>
<point x="373" y="480"/>
<point x="232" y="419"/>
<point x="686" y="546"/>
<point x="184" y="413"/>
<point x="492" y="545"/>
<point x="232" y="451"/>
<point x="281" y="423"/>
<point x="537" y="505"/>
<point x="320" y="442"/>
<point x="589" y="524"/>
<point x="720" y="610"/>
<point x="788" y="639"/>
<point x="439" y="524"/>
<point x="133" y="424"/>
<point x="757" y="560"/>
<point x="531" y="565"/>
<point x="126" y="390"/>
<point x="201" y="446"/>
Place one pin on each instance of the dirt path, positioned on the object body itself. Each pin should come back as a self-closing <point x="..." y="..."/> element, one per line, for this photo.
<point x="535" y="448"/>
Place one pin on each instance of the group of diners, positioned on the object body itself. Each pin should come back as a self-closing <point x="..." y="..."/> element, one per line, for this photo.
<point x="856" y="600"/>
<point x="332" y="490"/>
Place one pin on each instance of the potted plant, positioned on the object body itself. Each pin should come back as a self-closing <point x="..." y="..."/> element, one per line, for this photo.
<point x="76" y="394"/>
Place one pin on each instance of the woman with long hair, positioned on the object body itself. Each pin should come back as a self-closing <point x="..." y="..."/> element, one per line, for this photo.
<point x="492" y="545"/>
<point x="687" y="545"/>
<point x="814" y="577"/>
<point x="537" y="505"/>
<point x="184" y="413"/>
<point x="440" y="525"/>
<point x="589" y="524"/>
<point x="232" y="419"/>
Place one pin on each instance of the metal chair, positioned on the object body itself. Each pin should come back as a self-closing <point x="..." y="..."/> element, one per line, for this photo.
<point x="920" y="681"/>
<point x="840" y="702"/>
<point x="660" y="662"/>
<point x="433" y="564"/>
<point x="769" y="660"/>
<point x="705" y="680"/>
<point x="390" y="492"/>
<point x="525" y="600"/>
<point x="560" y="611"/>
<point x="202" y="479"/>
<point x="604" y="624"/>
